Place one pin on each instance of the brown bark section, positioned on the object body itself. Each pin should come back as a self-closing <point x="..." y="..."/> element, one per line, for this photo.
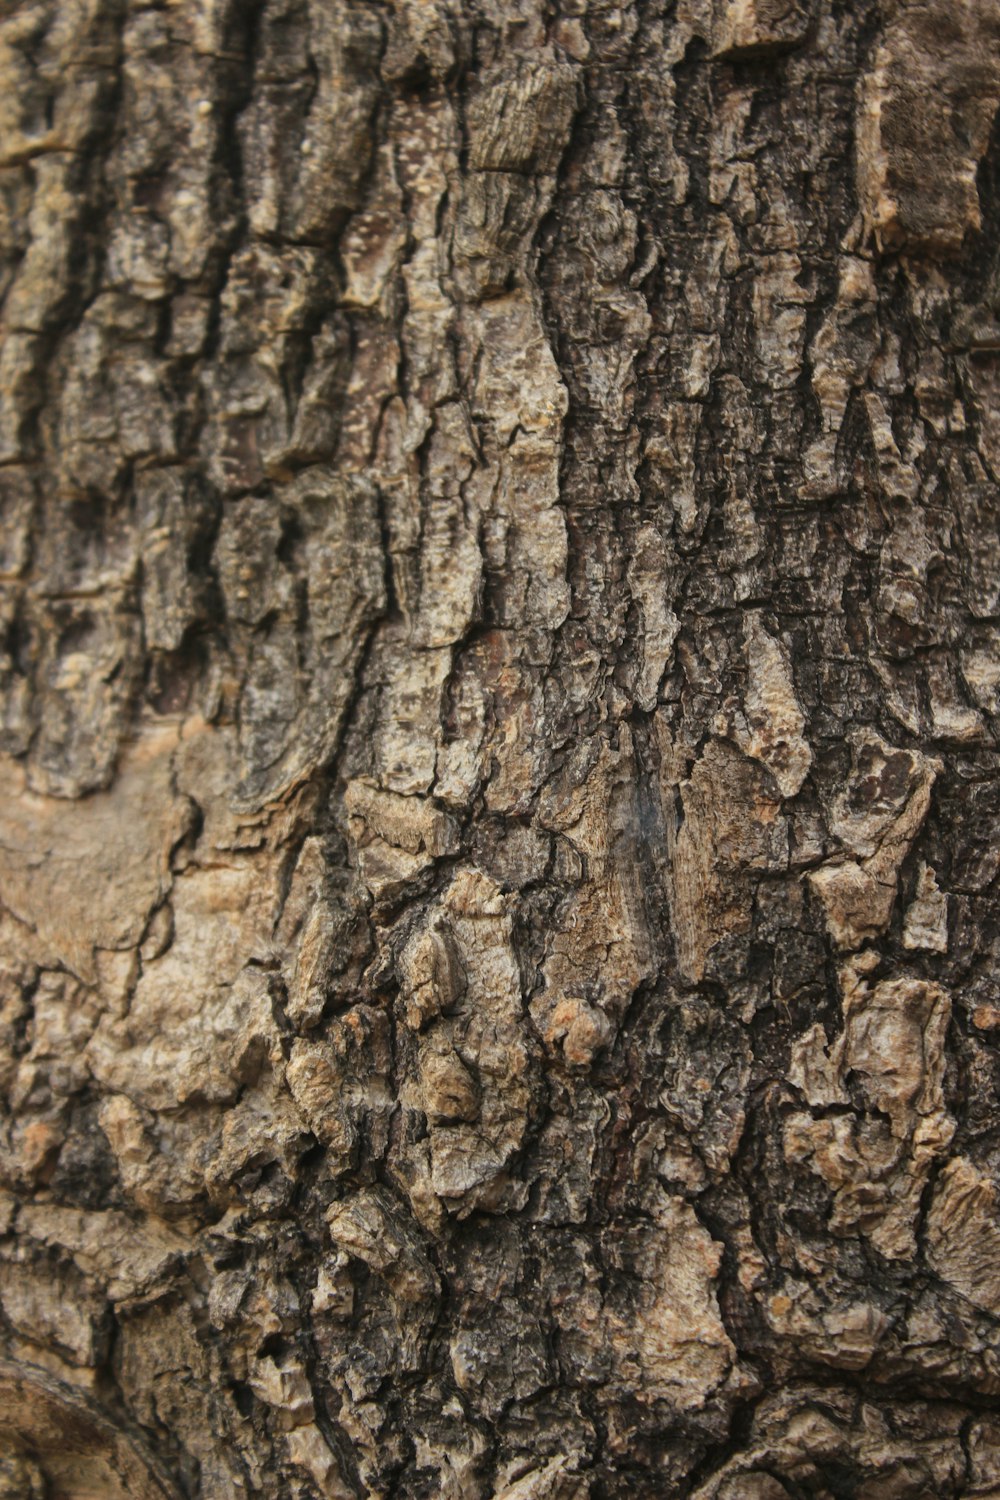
<point x="499" y="812"/>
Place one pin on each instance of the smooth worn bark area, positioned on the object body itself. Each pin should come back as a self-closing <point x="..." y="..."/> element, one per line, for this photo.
<point x="499" y="697"/>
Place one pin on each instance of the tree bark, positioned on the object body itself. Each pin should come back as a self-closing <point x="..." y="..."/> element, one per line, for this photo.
<point x="500" y="819"/>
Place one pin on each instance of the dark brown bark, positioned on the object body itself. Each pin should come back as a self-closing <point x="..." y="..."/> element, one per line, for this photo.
<point x="499" y="813"/>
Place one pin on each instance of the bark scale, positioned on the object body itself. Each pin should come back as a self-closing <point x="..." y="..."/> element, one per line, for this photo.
<point x="500" y="686"/>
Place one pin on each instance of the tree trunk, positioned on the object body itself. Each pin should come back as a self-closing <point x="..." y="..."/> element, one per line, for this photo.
<point x="500" y="819"/>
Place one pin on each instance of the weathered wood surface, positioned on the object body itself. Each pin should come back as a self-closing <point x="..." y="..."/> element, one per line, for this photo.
<point x="499" y="697"/>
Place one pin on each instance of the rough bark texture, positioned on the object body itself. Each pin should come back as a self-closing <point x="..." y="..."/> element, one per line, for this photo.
<point x="499" y="814"/>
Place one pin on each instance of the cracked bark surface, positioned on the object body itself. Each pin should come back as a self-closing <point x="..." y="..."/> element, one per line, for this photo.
<point x="499" y="710"/>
